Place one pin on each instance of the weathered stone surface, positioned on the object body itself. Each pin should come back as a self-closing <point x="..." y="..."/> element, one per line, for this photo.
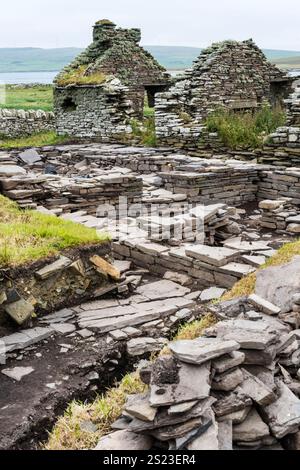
<point x="249" y="334"/>
<point x="256" y="389"/>
<point x="140" y="346"/>
<point x="211" y="294"/>
<point x="209" y="439"/>
<point x="216" y="256"/>
<point x="163" y="289"/>
<point x="138" y="406"/>
<point x="19" y="311"/>
<point x="11" y="170"/>
<point x="228" y="361"/>
<point x="17" y="373"/>
<point x="63" y="328"/>
<point x="105" y="268"/>
<point x="278" y="284"/>
<point x="29" y="156"/>
<point x="181" y="407"/>
<point x="231" y="402"/>
<point x="236" y="417"/>
<point x="252" y="429"/>
<point x="283" y="415"/>
<point x="124" y="440"/>
<point x="225" y="435"/>
<point x="178" y="384"/>
<point x="228" y="380"/>
<point x="263" y="305"/>
<point x="202" y="350"/>
<point x="26" y="338"/>
<point x="53" y="268"/>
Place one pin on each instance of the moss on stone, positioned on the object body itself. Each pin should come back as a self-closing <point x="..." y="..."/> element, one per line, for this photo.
<point x="79" y="76"/>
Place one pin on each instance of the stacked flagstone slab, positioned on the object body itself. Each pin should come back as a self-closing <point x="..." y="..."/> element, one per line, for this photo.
<point x="206" y="265"/>
<point x="279" y="184"/>
<point x="226" y="390"/>
<point x="280" y="215"/>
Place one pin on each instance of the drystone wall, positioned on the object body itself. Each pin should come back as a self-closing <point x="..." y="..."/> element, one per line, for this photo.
<point x="93" y="111"/>
<point x="17" y="122"/>
<point x="234" y="75"/>
<point x="282" y="148"/>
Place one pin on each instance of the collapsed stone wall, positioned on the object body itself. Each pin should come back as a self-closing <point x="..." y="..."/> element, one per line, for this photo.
<point x="93" y="111"/>
<point x="17" y="122"/>
<point x="234" y="75"/>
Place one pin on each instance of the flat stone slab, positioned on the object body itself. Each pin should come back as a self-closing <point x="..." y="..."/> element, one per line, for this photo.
<point x="256" y="260"/>
<point x="263" y="305"/>
<point x="227" y="362"/>
<point x="252" y="429"/>
<point x="248" y="334"/>
<point x="30" y="156"/>
<point x="216" y="256"/>
<point x="124" y="440"/>
<point x="283" y="415"/>
<point x="163" y="289"/>
<point x="227" y="381"/>
<point x="11" y="170"/>
<point x="53" y="268"/>
<point x="140" y="346"/>
<point x="237" y="269"/>
<point x="278" y="284"/>
<point x="138" y="406"/>
<point x="26" y="338"/>
<point x="63" y="328"/>
<point x="193" y="384"/>
<point x="212" y="293"/>
<point x="238" y="244"/>
<point x="256" y="389"/>
<point x="202" y="350"/>
<point x="209" y="439"/>
<point x="17" y="373"/>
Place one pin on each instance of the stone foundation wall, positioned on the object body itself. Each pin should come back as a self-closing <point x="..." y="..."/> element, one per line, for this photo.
<point x="17" y="122"/>
<point x="282" y="149"/>
<point x="93" y="111"/>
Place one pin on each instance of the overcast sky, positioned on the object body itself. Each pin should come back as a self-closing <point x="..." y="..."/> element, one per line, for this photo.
<point x="272" y="24"/>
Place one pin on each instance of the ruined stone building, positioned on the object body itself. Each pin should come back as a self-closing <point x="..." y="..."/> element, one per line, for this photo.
<point x="234" y="75"/>
<point x="105" y="86"/>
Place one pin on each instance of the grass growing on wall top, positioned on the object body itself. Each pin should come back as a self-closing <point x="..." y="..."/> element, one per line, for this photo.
<point x="79" y="76"/>
<point x="29" y="235"/>
<point x="27" y="98"/>
<point x="245" y="130"/>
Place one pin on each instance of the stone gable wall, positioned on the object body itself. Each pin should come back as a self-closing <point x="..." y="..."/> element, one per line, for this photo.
<point x="232" y="75"/>
<point x="17" y="122"/>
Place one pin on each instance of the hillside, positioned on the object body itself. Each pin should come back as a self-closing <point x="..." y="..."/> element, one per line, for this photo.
<point x="29" y="59"/>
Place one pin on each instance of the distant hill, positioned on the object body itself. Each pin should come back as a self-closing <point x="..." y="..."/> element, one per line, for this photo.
<point x="30" y="59"/>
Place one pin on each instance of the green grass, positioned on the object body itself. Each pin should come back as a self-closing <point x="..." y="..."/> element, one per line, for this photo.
<point x="29" y="235"/>
<point x="144" y="131"/>
<point x="40" y="97"/>
<point x="67" y="433"/>
<point x="245" y="130"/>
<point x="78" y="77"/>
<point x="36" y="140"/>
<point x="246" y="286"/>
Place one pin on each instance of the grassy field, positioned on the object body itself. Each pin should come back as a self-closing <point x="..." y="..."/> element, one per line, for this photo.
<point x="36" y="140"/>
<point x="40" y="97"/>
<point x="29" y="235"/>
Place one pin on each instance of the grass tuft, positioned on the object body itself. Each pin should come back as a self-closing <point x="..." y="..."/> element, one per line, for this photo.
<point x="67" y="434"/>
<point x="30" y="235"/>
<point x="144" y="131"/>
<point x="245" y="130"/>
<point x="35" y="140"/>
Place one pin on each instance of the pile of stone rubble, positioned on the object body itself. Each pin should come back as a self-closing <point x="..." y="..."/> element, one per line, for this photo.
<point x="237" y="387"/>
<point x="280" y="215"/>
